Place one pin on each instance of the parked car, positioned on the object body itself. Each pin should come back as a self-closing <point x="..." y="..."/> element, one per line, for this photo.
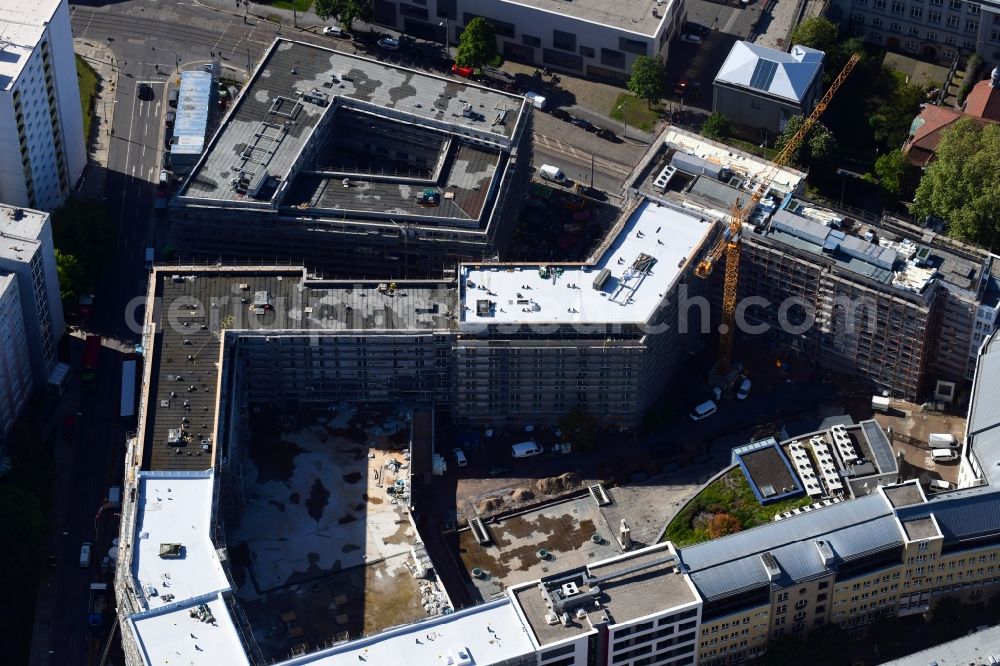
<point x="703" y="411"/>
<point x="691" y="38"/>
<point x="462" y="71"/>
<point x="607" y="134"/>
<point x="691" y="28"/>
<point x="499" y="471"/>
<point x="146" y="92"/>
<point x="561" y="114"/>
<point x="583" y="124"/>
<point x="460" y="458"/>
<point x="744" y="390"/>
<point x="591" y="192"/>
<point x="336" y="31"/>
<point x="389" y="43"/>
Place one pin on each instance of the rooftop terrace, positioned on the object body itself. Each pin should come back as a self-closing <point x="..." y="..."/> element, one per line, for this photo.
<point x="201" y="633"/>
<point x="625" y="285"/>
<point x="296" y="85"/>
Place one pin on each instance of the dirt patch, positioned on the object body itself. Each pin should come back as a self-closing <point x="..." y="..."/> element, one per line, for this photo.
<point x="318" y="498"/>
<point x="522" y="495"/>
<point x="374" y="500"/>
<point x="489" y="504"/>
<point x="400" y="535"/>
<point x="554" y="485"/>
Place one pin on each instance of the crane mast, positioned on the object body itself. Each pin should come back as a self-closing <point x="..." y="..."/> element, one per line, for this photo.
<point x="729" y="242"/>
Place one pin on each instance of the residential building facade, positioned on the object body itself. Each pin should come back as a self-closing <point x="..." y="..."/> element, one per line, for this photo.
<point x="16" y="381"/>
<point x="41" y="124"/>
<point x="27" y="251"/>
<point x="939" y="30"/>
<point x="586" y="37"/>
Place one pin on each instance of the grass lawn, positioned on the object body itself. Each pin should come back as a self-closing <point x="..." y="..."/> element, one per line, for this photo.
<point x="730" y="494"/>
<point x="636" y="112"/>
<point x="86" y="78"/>
<point x="300" y="5"/>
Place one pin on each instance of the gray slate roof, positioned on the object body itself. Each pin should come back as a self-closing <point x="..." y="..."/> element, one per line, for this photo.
<point x="984" y="412"/>
<point x="727" y="565"/>
<point x="962" y="515"/>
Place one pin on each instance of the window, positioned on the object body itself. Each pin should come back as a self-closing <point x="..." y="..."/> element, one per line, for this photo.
<point x="934" y="16"/>
<point x="895" y="27"/>
<point x="955" y="4"/>
<point x="783" y="596"/>
<point x="530" y="40"/>
<point x="931" y="36"/>
<point x="587" y="51"/>
<point x="916" y="12"/>
<point x="879" y="4"/>
<point x="877" y="21"/>
<point x="948" y="54"/>
<point x="565" y="41"/>
<point x="612" y="58"/>
<point x="637" y="46"/>
<point x="952" y="21"/>
<point x="914" y="32"/>
<point x="897" y="7"/>
<point x="972" y="8"/>
<point x="971" y="25"/>
<point x="859" y="18"/>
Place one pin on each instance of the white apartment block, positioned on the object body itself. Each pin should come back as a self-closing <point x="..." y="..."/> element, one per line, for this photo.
<point x="42" y="146"/>
<point x="938" y="30"/>
<point x="588" y="37"/>
<point x="27" y="253"/>
<point x="15" y="362"/>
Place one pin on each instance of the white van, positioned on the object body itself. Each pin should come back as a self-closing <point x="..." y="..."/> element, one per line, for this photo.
<point x="537" y="101"/>
<point x="943" y="455"/>
<point x="942" y="441"/>
<point x="940" y="485"/>
<point x="555" y="174"/>
<point x="744" y="390"/>
<point x="85" y="555"/>
<point x="460" y="458"/>
<point x="525" y="449"/>
<point x="704" y="410"/>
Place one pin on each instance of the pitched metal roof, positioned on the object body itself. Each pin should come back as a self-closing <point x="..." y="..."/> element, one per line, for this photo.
<point x="787" y="75"/>
<point x="732" y="563"/>
<point x="962" y="515"/>
<point x="984" y="410"/>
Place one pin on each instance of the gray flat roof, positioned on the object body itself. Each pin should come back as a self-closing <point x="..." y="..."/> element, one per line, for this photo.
<point x="647" y="584"/>
<point x="273" y="121"/>
<point x="629" y="15"/>
<point x="920" y="528"/>
<point x="462" y="192"/>
<point x="903" y="495"/>
<point x="185" y="351"/>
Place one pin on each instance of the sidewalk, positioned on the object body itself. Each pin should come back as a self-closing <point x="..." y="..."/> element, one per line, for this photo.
<point x="101" y="59"/>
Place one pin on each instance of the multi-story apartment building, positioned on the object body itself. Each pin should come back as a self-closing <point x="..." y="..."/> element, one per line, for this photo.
<point x="42" y="146"/>
<point x="938" y="30"/>
<point x="585" y="37"/>
<point x="884" y="301"/>
<point x="27" y="252"/>
<point x="357" y="168"/>
<point x="981" y="455"/>
<point x="16" y="380"/>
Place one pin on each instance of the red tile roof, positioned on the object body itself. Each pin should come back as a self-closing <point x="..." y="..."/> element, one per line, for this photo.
<point x="924" y="141"/>
<point x="984" y="102"/>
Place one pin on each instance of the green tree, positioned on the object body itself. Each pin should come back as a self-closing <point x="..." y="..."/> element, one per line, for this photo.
<point x="73" y="279"/>
<point x="962" y="183"/>
<point x="951" y="618"/>
<point x="345" y="11"/>
<point x="580" y="428"/>
<point x="646" y="80"/>
<point x="477" y="45"/>
<point x="817" y="33"/>
<point x="786" y="650"/>
<point x="816" y="151"/>
<point x="82" y="228"/>
<point x="894" y="114"/>
<point x="895" y="174"/>
<point x="716" y="126"/>
<point x="721" y="524"/>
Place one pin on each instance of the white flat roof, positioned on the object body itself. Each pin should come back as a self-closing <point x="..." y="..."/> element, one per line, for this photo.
<point x="644" y="260"/>
<point x="784" y="179"/>
<point x="175" y="508"/>
<point x="489" y="633"/>
<point x="22" y="23"/>
<point x="19" y="238"/>
<point x="175" y="637"/>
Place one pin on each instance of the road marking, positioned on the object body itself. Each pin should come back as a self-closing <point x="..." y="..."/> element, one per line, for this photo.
<point x="581" y="157"/>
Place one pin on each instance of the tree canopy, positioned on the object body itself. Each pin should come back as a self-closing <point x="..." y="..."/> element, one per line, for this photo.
<point x="893" y="114"/>
<point x="816" y="32"/>
<point x="962" y="184"/>
<point x="646" y="80"/>
<point x="477" y="45"/>
<point x="716" y="126"/>
<point x="895" y="174"/>
<point x="345" y="11"/>
<point x="818" y="148"/>
<point x="85" y="238"/>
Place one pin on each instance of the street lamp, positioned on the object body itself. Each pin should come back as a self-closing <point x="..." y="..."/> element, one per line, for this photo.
<point x="624" y="110"/>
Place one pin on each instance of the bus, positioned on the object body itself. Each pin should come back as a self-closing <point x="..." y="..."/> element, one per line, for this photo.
<point x="91" y="357"/>
<point x="128" y="387"/>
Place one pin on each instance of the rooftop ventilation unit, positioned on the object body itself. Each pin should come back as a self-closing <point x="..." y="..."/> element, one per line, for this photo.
<point x="825" y="551"/>
<point x="770" y="566"/>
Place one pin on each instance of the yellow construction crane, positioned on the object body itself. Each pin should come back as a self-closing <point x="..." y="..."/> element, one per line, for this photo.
<point x="729" y="243"/>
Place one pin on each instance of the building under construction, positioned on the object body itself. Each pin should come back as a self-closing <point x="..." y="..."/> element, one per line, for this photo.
<point x="903" y="309"/>
<point x="356" y="168"/>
